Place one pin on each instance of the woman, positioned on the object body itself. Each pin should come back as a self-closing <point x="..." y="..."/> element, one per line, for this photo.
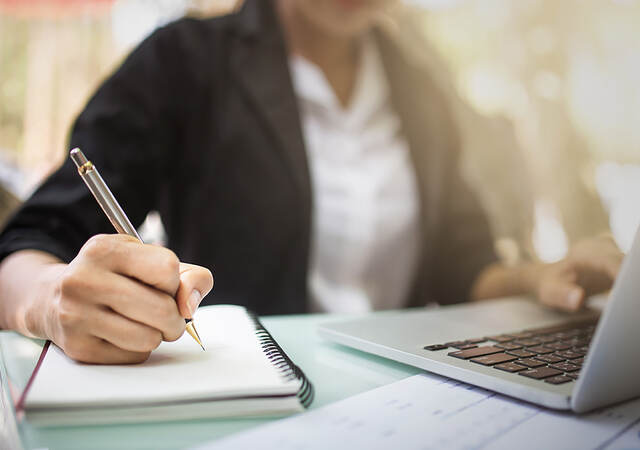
<point x="291" y="149"/>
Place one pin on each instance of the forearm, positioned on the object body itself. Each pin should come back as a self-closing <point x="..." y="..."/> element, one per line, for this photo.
<point x="498" y="280"/>
<point x="26" y="278"/>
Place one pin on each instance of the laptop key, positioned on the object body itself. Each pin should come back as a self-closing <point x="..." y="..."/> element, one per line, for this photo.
<point x="527" y="342"/>
<point x="476" y="340"/>
<point x="436" y="347"/>
<point x="510" y="367"/>
<point x="546" y="339"/>
<point x="540" y="350"/>
<point x="573" y="375"/>
<point x="473" y="352"/>
<point x="562" y="335"/>
<point x="509" y="346"/>
<point x="464" y="346"/>
<point x="569" y="354"/>
<point x="455" y="343"/>
<point x="566" y="367"/>
<point x="540" y="373"/>
<point x="530" y="362"/>
<point x="521" y="353"/>
<point x="500" y="338"/>
<point x="578" y="362"/>
<point x="551" y="359"/>
<point x="496" y="358"/>
<point x="558" y="379"/>
<point x="558" y="346"/>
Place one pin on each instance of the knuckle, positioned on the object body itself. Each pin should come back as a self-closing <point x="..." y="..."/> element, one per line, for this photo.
<point x="98" y="245"/>
<point x="170" y="263"/>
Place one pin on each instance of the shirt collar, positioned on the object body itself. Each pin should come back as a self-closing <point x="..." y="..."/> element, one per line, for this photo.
<point x="370" y="91"/>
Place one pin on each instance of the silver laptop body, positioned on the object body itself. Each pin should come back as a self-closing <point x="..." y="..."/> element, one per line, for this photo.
<point x="610" y="371"/>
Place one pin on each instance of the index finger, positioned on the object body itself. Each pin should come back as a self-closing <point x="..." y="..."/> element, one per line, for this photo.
<point x="152" y="265"/>
<point x="195" y="284"/>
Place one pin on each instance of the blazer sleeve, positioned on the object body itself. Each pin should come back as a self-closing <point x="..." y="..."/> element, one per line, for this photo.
<point x="464" y="245"/>
<point x="126" y="129"/>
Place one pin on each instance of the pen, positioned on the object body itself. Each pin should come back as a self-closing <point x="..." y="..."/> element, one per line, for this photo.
<point x="113" y="210"/>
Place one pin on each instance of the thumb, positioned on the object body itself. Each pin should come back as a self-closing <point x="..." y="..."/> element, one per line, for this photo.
<point x="195" y="284"/>
<point x="562" y="293"/>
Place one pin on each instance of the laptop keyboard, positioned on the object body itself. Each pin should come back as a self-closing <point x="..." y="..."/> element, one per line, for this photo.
<point x="550" y="354"/>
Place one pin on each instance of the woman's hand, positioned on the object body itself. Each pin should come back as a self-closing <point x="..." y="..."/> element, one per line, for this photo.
<point x="115" y="302"/>
<point x="589" y="268"/>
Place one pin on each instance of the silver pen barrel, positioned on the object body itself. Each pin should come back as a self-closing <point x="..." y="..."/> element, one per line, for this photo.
<point x="113" y="210"/>
<point x="103" y="195"/>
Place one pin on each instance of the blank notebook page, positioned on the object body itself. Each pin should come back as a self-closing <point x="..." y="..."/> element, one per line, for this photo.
<point x="233" y="365"/>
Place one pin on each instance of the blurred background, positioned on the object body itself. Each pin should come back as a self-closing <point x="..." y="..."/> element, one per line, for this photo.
<point x="544" y="92"/>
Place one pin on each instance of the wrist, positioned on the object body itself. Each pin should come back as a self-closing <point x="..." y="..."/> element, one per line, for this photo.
<point x="37" y="317"/>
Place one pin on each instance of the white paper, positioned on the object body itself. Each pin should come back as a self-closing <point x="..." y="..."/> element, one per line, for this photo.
<point x="431" y="412"/>
<point x="232" y="365"/>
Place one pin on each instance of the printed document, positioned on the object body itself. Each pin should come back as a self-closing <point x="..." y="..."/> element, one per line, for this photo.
<point x="430" y="412"/>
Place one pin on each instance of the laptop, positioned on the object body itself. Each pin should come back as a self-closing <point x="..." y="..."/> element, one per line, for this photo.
<point x="517" y="347"/>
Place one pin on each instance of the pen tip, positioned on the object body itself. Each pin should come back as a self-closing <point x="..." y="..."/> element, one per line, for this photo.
<point x="191" y="329"/>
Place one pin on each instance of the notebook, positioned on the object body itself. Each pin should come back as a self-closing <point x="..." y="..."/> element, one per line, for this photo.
<point x="243" y="372"/>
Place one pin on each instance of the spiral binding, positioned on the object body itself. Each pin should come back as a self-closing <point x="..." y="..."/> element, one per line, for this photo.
<point x="282" y="362"/>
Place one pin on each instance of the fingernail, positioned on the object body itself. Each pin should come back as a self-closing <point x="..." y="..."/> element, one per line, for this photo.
<point x="574" y="298"/>
<point x="194" y="300"/>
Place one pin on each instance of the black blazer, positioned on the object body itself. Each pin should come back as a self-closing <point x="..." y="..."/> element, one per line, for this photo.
<point x="201" y="124"/>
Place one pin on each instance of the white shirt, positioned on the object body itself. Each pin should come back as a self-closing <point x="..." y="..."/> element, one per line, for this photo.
<point x="365" y="216"/>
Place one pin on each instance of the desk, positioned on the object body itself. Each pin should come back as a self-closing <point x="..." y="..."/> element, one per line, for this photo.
<point x="337" y="372"/>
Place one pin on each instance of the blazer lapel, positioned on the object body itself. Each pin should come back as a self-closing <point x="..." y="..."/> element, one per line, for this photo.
<point x="259" y="62"/>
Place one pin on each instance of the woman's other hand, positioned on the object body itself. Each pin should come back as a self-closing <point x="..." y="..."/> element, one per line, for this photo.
<point x="590" y="268"/>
